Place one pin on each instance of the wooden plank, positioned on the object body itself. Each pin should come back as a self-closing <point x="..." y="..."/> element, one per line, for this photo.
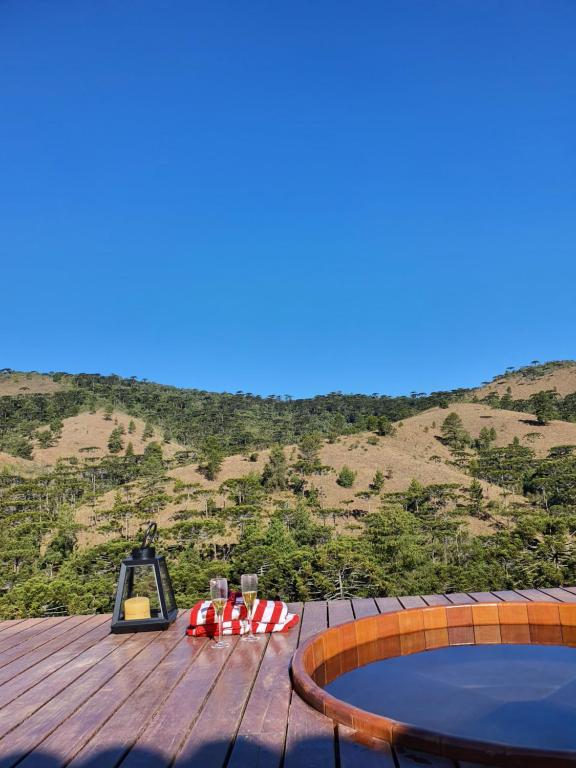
<point x="8" y="623"/>
<point x="40" y="639"/>
<point x="26" y="672"/>
<point x="159" y="742"/>
<point x="412" y="601"/>
<point x="435" y="600"/>
<point x="58" y="699"/>
<point x="412" y="758"/>
<point x="359" y="751"/>
<point x="125" y="723"/>
<point x="484" y="597"/>
<point x="261" y="738"/>
<point x="388" y="604"/>
<point x="314" y="619"/>
<point x="509" y="596"/>
<point x="339" y="612"/>
<point x="536" y="596"/>
<point x="459" y="598"/>
<point x="310" y="740"/>
<point x="22" y="631"/>
<point x="48" y="687"/>
<point x="209" y="741"/>
<point x="560" y="594"/>
<point x="364" y="607"/>
<point x="141" y="682"/>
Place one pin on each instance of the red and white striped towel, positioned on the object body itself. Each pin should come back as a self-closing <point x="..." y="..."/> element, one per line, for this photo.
<point x="268" y="616"/>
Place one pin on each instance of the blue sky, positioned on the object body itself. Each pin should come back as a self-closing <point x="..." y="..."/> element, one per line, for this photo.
<point x="288" y="198"/>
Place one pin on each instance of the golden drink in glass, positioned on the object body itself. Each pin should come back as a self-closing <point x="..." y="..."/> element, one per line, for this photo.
<point x="219" y="596"/>
<point x="249" y="584"/>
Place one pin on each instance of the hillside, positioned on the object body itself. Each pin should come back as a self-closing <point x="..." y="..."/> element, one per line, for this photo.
<point x="329" y="496"/>
<point x="87" y="435"/>
<point x="28" y="384"/>
<point x="413" y="453"/>
<point x="558" y="376"/>
<point x="421" y="433"/>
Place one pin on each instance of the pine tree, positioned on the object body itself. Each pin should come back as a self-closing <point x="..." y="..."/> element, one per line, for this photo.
<point x="453" y="432"/>
<point x="115" y="442"/>
<point x="309" y="457"/>
<point x="485" y="438"/>
<point x="346" y="477"/>
<point x="385" y="426"/>
<point x="274" y="472"/>
<point x="476" y="494"/>
<point x="211" y="458"/>
<point x="544" y="407"/>
<point x="153" y="461"/>
<point x="377" y="481"/>
<point x="131" y="427"/>
<point x="148" y="431"/>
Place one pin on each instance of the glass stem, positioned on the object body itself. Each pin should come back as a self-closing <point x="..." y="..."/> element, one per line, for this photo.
<point x="220" y="629"/>
<point x="250" y="630"/>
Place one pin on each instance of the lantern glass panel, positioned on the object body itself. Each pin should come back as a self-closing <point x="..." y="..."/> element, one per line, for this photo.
<point x="167" y="587"/>
<point x="141" y="582"/>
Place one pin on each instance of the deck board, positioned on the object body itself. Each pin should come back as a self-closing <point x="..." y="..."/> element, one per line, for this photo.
<point x="160" y="741"/>
<point x="125" y="719"/>
<point x="362" y="752"/>
<point x="21" y="675"/>
<point x="261" y="737"/>
<point x="310" y="737"/>
<point x="136" y="684"/>
<point x="209" y="740"/>
<point x="339" y="612"/>
<point x="72" y="694"/>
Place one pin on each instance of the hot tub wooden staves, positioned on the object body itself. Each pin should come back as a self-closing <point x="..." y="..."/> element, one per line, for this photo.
<point x="73" y="694"/>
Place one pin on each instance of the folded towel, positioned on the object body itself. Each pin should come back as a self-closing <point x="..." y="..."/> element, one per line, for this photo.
<point x="268" y="616"/>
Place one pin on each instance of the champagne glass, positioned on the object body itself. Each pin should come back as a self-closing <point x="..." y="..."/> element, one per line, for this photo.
<point x="219" y="596"/>
<point x="249" y="584"/>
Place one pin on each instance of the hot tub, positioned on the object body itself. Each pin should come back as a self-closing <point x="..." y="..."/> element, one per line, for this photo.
<point x="488" y="683"/>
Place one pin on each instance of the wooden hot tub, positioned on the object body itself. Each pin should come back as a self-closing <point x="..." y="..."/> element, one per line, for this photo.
<point x="347" y="647"/>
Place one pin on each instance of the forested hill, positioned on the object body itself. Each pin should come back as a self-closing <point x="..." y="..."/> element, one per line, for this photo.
<point x="332" y="496"/>
<point x="189" y="416"/>
<point x="29" y="401"/>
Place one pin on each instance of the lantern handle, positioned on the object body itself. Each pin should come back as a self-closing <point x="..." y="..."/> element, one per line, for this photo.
<point x="150" y="535"/>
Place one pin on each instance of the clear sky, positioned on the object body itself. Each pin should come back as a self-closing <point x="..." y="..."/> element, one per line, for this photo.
<point x="288" y="197"/>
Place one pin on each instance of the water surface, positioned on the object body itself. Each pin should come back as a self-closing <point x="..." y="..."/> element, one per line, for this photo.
<point x="521" y="695"/>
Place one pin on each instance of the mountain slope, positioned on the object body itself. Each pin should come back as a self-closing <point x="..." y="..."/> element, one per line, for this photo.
<point x="559" y="376"/>
<point x="413" y="434"/>
<point x="28" y="384"/>
<point x="87" y="434"/>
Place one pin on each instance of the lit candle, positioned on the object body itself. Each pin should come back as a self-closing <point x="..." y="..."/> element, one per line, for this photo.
<point x="136" y="608"/>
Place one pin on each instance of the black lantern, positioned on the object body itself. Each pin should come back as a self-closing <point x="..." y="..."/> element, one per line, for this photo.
<point x="144" y="598"/>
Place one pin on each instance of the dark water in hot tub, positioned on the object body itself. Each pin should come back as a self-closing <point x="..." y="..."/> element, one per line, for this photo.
<point x="521" y="695"/>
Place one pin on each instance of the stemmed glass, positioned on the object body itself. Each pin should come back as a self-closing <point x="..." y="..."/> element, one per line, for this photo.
<point x="249" y="584"/>
<point x="219" y="596"/>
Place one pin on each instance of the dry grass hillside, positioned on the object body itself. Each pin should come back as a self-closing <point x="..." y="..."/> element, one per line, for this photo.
<point x="87" y="435"/>
<point x="420" y="433"/>
<point x="28" y="384"/>
<point x="561" y="377"/>
<point x="414" y="452"/>
<point x="22" y="466"/>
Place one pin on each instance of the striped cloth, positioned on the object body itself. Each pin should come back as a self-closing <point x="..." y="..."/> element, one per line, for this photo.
<point x="268" y="616"/>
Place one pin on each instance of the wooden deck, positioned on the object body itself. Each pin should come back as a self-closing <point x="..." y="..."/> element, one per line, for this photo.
<point x="73" y="694"/>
